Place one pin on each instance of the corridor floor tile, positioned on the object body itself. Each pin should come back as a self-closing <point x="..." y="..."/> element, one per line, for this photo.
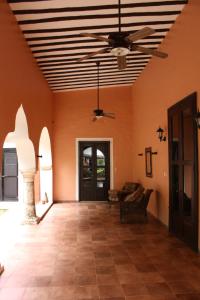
<point x="80" y="251"/>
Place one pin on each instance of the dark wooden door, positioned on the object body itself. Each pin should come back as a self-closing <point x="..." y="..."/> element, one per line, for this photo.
<point x="9" y="175"/>
<point x="183" y="171"/>
<point x="94" y="171"/>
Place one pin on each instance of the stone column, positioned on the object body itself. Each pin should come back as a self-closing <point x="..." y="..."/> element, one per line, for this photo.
<point x="29" y="213"/>
<point x="1" y="269"/>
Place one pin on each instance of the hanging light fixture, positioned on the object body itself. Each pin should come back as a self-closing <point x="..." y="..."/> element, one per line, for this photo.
<point x="98" y="112"/>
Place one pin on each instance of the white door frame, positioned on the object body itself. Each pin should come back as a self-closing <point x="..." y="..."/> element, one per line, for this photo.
<point x="77" y="160"/>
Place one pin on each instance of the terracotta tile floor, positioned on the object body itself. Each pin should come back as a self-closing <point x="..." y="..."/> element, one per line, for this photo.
<point x="81" y="251"/>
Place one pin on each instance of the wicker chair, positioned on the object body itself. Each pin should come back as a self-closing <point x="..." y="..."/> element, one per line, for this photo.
<point x="135" y="211"/>
<point x="114" y="196"/>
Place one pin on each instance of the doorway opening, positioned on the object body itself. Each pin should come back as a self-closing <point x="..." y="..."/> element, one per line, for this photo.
<point x="9" y="178"/>
<point x="95" y="174"/>
<point x="11" y="184"/>
<point x="18" y="157"/>
<point x="45" y="167"/>
<point x="183" y="171"/>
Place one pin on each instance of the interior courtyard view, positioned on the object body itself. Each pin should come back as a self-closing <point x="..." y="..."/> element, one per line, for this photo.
<point x="100" y="125"/>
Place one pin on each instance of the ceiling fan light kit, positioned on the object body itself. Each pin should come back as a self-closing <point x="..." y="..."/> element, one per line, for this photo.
<point x="120" y="51"/>
<point x="98" y="113"/>
<point x="119" y="44"/>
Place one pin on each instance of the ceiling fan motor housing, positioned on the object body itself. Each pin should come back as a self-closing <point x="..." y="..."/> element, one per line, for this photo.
<point x="118" y="40"/>
<point x="98" y="112"/>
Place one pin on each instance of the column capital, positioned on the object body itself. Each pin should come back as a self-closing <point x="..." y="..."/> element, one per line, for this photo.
<point x="28" y="176"/>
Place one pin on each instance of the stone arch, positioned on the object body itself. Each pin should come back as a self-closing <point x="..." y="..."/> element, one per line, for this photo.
<point x="45" y="167"/>
<point x="26" y="165"/>
<point x="19" y="139"/>
<point x="24" y="146"/>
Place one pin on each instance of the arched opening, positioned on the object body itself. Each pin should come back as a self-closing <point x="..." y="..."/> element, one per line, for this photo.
<point x="45" y="168"/>
<point x="18" y="160"/>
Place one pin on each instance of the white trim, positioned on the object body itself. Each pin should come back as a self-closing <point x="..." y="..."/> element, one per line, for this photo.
<point x="77" y="140"/>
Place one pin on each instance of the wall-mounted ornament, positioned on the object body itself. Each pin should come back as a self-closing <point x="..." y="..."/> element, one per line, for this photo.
<point x="140" y="154"/>
<point x="148" y="162"/>
<point x="161" y="134"/>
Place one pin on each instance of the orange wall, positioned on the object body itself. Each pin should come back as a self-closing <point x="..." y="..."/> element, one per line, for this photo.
<point x="163" y="83"/>
<point x="21" y="81"/>
<point x="73" y="119"/>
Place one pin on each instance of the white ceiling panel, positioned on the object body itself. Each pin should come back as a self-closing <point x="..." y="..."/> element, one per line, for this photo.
<point x="53" y="32"/>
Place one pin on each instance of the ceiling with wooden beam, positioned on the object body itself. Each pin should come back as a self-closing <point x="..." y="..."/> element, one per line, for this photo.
<point x="53" y="31"/>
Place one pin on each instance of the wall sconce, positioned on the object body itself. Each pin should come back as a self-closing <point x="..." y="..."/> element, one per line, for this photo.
<point x="197" y="118"/>
<point x="161" y="135"/>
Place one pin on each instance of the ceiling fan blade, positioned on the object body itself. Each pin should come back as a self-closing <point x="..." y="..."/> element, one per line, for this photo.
<point x="150" y="51"/>
<point x="140" y="34"/>
<point x="94" y="119"/>
<point x="121" y="61"/>
<point x="92" y="54"/>
<point x="110" y="113"/>
<point x="107" y="115"/>
<point x="95" y="36"/>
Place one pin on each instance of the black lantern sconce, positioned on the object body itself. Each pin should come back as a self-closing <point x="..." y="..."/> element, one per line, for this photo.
<point x="197" y="118"/>
<point x="161" y="135"/>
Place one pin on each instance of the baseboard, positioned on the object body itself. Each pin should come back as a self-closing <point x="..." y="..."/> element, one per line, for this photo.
<point x="65" y="201"/>
<point x="158" y="220"/>
<point x="75" y="201"/>
<point x="93" y="202"/>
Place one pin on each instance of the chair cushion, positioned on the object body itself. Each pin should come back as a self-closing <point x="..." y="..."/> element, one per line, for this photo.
<point x="136" y="195"/>
<point x="130" y="186"/>
<point x="119" y="195"/>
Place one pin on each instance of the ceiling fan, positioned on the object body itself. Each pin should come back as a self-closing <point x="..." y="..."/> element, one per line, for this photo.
<point x="99" y="113"/>
<point x="121" y="43"/>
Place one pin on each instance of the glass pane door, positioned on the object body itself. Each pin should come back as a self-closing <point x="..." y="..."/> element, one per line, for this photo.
<point x="183" y="171"/>
<point x="94" y="171"/>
